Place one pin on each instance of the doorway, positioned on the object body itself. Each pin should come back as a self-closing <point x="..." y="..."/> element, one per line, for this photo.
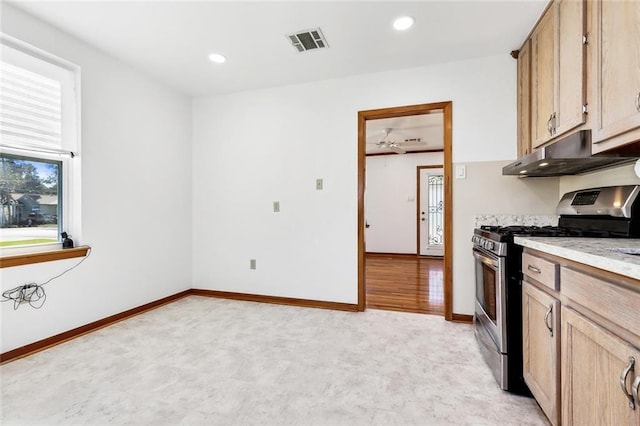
<point x="363" y="116"/>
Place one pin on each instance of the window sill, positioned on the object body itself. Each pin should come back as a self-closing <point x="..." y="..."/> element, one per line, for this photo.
<point x="40" y="257"/>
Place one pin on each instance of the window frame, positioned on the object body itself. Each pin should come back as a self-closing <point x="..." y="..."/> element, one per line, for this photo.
<point x="68" y="153"/>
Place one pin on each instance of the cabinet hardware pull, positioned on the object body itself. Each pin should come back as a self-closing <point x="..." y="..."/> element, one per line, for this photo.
<point x="638" y="102"/>
<point x="553" y="123"/>
<point x="546" y="319"/>
<point x="534" y="269"/>
<point x="634" y="387"/>
<point x="623" y="382"/>
<point x="549" y="128"/>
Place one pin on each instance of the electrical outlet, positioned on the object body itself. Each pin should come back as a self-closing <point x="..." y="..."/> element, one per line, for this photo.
<point x="252" y="264"/>
<point x="319" y="184"/>
<point x="276" y="206"/>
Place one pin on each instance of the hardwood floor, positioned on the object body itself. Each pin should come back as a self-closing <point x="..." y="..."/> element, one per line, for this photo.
<point x="405" y="283"/>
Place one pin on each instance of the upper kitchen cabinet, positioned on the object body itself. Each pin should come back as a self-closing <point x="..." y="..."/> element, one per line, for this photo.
<point x="542" y="78"/>
<point x="558" y="71"/>
<point x="614" y="66"/>
<point x="524" y="100"/>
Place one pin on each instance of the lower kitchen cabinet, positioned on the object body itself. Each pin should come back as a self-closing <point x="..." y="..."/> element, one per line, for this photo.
<point x="596" y="366"/>
<point x="541" y="341"/>
<point x="581" y="341"/>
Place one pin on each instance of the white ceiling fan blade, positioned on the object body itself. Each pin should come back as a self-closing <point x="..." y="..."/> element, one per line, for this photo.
<point x="397" y="150"/>
<point x="379" y="135"/>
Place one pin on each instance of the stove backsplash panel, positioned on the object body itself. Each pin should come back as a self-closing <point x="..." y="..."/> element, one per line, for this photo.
<point x="515" y="219"/>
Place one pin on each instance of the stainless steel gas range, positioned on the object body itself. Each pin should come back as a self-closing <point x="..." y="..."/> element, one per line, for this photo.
<point x="608" y="212"/>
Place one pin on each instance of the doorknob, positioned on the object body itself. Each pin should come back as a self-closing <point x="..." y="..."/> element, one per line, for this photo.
<point x="423" y="219"/>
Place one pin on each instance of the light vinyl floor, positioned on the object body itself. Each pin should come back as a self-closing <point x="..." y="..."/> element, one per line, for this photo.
<point x="203" y="361"/>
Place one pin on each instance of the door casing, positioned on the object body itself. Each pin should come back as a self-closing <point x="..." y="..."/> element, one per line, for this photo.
<point x="403" y="111"/>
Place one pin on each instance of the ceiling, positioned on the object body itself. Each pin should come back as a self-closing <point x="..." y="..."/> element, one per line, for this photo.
<point x="403" y="132"/>
<point x="171" y="40"/>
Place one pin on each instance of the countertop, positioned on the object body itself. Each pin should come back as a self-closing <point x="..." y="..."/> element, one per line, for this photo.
<point x="598" y="252"/>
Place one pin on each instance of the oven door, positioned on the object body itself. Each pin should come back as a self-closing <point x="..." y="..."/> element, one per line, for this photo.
<point x="490" y="274"/>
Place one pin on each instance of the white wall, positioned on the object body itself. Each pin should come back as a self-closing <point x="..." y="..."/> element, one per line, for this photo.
<point x="136" y="195"/>
<point x="255" y="147"/>
<point x="486" y="191"/>
<point x="390" y="201"/>
<point x="622" y="175"/>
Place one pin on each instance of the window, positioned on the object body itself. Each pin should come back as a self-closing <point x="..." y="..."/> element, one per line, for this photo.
<point x="31" y="201"/>
<point x="39" y="162"/>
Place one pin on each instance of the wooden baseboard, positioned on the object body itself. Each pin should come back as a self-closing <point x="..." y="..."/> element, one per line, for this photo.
<point x="376" y="254"/>
<point x="87" y="328"/>
<point x="306" y="303"/>
<point x="462" y="318"/>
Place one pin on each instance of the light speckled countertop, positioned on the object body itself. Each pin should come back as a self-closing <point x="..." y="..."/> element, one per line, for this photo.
<point x="598" y="252"/>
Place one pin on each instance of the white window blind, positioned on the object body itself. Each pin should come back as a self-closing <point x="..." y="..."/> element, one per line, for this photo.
<point x="30" y="108"/>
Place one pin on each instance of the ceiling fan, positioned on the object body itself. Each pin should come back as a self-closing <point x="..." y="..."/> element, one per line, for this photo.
<point x="391" y="144"/>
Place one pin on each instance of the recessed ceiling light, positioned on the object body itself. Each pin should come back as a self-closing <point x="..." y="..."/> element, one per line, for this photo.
<point x="217" y="58"/>
<point x="403" y="23"/>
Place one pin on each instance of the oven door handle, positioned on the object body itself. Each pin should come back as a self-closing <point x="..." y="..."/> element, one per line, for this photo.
<point x="485" y="259"/>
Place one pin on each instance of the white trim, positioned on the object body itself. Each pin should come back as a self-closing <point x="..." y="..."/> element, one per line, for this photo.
<point x="31" y="248"/>
<point x="36" y="52"/>
<point x="22" y="150"/>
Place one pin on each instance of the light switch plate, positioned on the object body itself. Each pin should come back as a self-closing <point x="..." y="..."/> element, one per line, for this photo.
<point x="252" y="264"/>
<point x="461" y="172"/>
<point x="276" y="206"/>
<point x="319" y="184"/>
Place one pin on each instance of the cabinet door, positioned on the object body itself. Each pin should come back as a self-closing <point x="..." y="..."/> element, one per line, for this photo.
<point x="524" y="100"/>
<point x="570" y="82"/>
<point x="592" y="362"/>
<point x="542" y="78"/>
<point x="616" y="61"/>
<point x="541" y="340"/>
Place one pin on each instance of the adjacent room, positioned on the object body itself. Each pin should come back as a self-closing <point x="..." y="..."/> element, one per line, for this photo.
<point x="262" y="212"/>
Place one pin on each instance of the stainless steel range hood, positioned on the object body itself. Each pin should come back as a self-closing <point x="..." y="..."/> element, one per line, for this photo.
<point x="568" y="156"/>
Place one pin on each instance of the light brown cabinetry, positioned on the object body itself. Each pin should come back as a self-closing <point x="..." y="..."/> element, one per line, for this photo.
<point x="584" y="60"/>
<point x="541" y="342"/>
<point x="541" y="332"/>
<point x="524" y="100"/>
<point x="558" y="71"/>
<point x="571" y="79"/>
<point x="614" y="66"/>
<point x="594" y="362"/>
<point x="589" y="373"/>
<point x="542" y="78"/>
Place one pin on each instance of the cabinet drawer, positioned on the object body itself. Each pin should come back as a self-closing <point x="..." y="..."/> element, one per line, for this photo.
<point x="541" y="270"/>
<point x="618" y="304"/>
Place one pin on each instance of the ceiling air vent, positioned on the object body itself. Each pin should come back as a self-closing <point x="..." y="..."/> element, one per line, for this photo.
<point x="308" y="40"/>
